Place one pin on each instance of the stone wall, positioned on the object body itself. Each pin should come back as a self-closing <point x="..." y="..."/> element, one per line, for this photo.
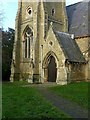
<point x="78" y="72"/>
<point x="83" y="43"/>
<point x="60" y="17"/>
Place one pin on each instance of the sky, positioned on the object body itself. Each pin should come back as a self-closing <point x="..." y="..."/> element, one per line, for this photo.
<point x="9" y="10"/>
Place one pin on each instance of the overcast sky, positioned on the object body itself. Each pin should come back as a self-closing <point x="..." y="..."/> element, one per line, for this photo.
<point x="9" y="9"/>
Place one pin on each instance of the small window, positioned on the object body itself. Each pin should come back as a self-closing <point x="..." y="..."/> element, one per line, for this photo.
<point x="53" y="12"/>
<point x="51" y="43"/>
<point x="29" y="10"/>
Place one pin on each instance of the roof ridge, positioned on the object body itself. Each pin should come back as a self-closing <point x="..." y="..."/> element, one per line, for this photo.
<point x="74" y="4"/>
<point x="63" y="33"/>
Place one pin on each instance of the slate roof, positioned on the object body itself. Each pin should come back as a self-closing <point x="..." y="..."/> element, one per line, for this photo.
<point x="79" y="18"/>
<point x="70" y="48"/>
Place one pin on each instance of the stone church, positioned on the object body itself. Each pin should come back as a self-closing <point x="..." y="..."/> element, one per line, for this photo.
<point x="50" y="44"/>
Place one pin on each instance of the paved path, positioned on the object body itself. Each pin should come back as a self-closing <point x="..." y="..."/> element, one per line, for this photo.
<point x="67" y="106"/>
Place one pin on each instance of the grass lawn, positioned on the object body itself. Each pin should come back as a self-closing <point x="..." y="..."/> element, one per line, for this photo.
<point x="76" y="92"/>
<point x="27" y="102"/>
<point x="0" y="100"/>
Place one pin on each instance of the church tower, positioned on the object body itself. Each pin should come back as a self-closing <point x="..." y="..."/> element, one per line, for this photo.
<point x="56" y="12"/>
<point x="33" y="21"/>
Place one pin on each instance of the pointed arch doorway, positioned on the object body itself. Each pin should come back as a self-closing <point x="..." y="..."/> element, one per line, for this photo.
<point x="52" y="70"/>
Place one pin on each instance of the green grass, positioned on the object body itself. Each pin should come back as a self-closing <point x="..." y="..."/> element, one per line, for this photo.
<point x="27" y="102"/>
<point x="0" y="100"/>
<point x="76" y="92"/>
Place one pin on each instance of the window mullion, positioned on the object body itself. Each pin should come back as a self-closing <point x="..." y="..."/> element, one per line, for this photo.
<point x="24" y="49"/>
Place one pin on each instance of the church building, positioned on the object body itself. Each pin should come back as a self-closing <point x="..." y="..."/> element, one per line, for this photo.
<point x="48" y="45"/>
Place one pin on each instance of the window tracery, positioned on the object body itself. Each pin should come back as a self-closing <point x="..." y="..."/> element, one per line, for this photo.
<point x="28" y="38"/>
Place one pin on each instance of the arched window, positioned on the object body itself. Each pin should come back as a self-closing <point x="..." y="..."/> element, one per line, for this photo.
<point x="28" y="38"/>
<point x="29" y="12"/>
<point x="53" y="12"/>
